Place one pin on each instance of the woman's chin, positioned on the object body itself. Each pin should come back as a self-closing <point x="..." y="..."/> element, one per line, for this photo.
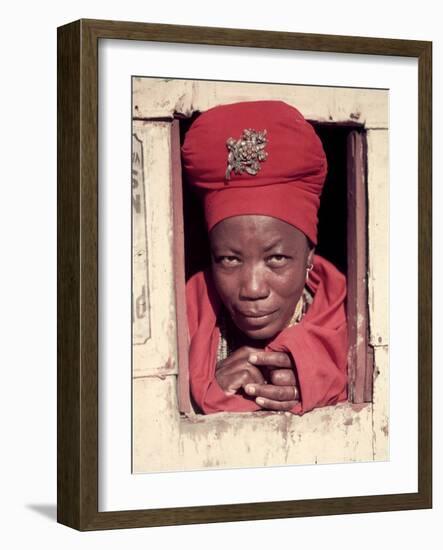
<point x="259" y="333"/>
<point x="260" y="328"/>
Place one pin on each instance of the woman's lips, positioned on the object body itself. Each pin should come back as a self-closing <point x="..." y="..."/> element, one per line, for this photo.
<point x="254" y="318"/>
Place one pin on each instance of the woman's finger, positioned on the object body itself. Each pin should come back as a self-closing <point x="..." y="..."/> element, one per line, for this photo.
<point x="274" y="393"/>
<point x="283" y="377"/>
<point x="235" y="380"/>
<point x="255" y="374"/>
<point x="275" y="405"/>
<point x="231" y="379"/>
<point x="241" y="365"/>
<point x="273" y="359"/>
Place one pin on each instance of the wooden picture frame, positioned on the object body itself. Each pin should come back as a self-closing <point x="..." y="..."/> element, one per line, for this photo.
<point x="77" y="456"/>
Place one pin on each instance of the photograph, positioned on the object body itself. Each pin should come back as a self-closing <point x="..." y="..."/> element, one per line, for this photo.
<point x="244" y="267"/>
<point x="260" y="274"/>
<point x="227" y="219"/>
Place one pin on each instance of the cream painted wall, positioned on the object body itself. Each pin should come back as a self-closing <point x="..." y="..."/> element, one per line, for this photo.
<point x="165" y="440"/>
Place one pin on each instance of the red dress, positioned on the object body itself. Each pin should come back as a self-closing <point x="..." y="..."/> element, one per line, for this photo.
<point x="318" y="344"/>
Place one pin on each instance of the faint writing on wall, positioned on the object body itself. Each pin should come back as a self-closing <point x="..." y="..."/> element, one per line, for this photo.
<point x="141" y="324"/>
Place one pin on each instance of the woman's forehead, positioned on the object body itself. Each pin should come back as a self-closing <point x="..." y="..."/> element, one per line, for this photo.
<point x="263" y="230"/>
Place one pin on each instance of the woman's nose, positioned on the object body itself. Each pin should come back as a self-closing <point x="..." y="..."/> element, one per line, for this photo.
<point x="253" y="284"/>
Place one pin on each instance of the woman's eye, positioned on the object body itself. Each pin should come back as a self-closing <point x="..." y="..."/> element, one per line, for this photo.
<point x="277" y="260"/>
<point x="228" y="261"/>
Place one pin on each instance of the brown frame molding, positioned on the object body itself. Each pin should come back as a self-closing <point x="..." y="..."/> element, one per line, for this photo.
<point x="77" y="381"/>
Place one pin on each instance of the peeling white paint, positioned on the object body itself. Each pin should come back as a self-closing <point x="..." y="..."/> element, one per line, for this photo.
<point x="162" y="97"/>
<point x="166" y="440"/>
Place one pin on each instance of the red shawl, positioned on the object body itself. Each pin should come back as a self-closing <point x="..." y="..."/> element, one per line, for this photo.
<point x="318" y="344"/>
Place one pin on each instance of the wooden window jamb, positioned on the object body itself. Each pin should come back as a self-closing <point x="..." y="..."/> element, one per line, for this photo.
<point x="360" y="363"/>
<point x="183" y="389"/>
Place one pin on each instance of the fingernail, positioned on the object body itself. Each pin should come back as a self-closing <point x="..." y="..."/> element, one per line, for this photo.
<point x="260" y="401"/>
<point x="253" y="358"/>
<point x="250" y="389"/>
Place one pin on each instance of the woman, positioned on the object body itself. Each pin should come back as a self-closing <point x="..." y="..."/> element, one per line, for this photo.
<point x="267" y="321"/>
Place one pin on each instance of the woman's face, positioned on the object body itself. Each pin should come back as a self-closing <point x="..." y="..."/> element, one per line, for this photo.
<point x="259" y="268"/>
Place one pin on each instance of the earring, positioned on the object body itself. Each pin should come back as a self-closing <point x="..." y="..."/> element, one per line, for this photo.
<point x="309" y="268"/>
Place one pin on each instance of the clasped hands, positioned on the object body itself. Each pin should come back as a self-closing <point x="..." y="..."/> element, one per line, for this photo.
<point x="267" y="376"/>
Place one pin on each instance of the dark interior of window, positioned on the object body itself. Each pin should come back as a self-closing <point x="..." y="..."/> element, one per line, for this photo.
<point x="332" y="239"/>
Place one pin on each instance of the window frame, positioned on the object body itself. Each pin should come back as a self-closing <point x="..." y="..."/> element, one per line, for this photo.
<point x="361" y="355"/>
<point x="164" y="438"/>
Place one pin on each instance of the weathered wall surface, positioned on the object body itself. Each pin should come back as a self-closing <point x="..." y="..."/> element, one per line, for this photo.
<point x="164" y="439"/>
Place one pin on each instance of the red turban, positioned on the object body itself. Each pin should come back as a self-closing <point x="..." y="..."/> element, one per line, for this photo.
<point x="256" y="157"/>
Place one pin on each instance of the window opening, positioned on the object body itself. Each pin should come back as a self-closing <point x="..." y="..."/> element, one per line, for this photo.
<point x="342" y="239"/>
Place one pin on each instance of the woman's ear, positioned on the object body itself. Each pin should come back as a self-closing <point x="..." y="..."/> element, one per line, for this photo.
<point x="311" y="256"/>
<point x="309" y="263"/>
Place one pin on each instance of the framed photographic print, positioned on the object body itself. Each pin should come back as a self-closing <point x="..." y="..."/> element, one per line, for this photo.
<point x="244" y="275"/>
